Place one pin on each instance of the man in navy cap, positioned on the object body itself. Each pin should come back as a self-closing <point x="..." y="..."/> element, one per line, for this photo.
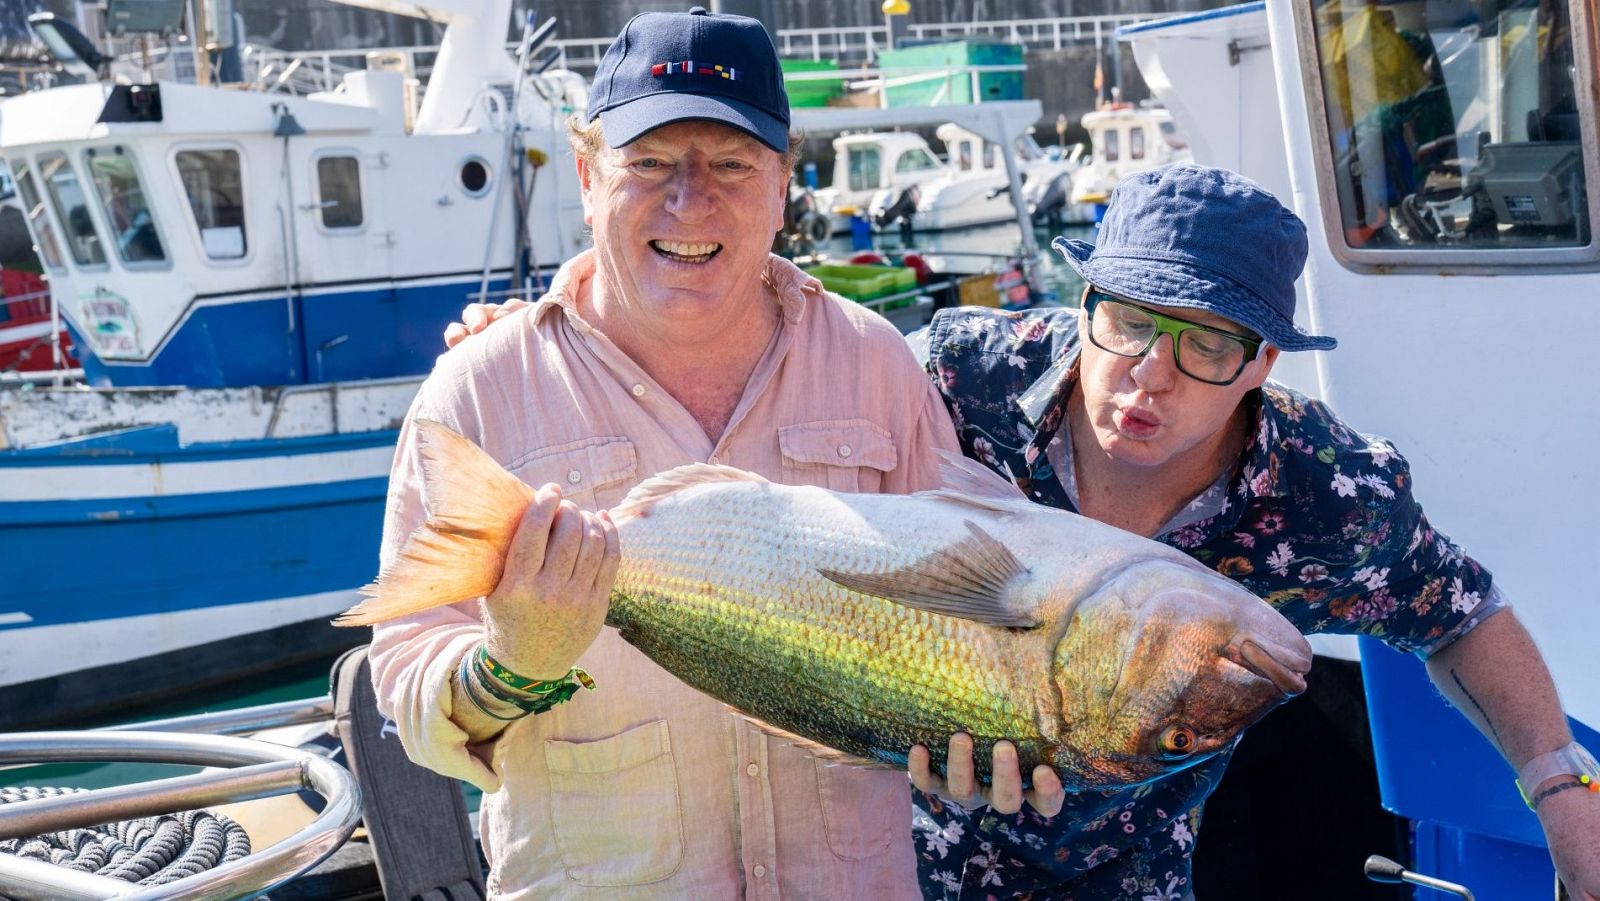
<point x="677" y="339"/>
<point x="1149" y="408"/>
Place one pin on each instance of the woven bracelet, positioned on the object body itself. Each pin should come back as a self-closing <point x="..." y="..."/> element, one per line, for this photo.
<point x="462" y="674"/>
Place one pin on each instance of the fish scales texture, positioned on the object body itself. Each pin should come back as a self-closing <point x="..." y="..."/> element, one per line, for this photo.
<point x="720" y="584"/>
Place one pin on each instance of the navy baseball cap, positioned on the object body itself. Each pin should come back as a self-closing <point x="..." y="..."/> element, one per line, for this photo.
<point x="694" y="66"/>
<point x="1202" y="238"/>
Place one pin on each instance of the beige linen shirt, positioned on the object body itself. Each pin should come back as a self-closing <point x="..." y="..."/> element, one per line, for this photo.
<point x="646" y="788"/>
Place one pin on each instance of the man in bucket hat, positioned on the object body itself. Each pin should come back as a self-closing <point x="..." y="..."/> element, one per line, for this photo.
<point x="1163" y="422"/>
<point x="677" y="339"/>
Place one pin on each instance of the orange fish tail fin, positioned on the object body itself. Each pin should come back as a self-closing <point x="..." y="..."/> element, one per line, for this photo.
<point x="474" y="507"/>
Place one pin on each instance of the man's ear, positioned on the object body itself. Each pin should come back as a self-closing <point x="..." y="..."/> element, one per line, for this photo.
<point x="1267" y="357"/>
<point x="585" y="177"/>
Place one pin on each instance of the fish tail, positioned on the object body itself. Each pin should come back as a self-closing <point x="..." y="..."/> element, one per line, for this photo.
<point x="474" y="507"/>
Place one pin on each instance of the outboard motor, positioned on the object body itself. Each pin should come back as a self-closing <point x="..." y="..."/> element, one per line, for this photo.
<point x="805" y="225"/>
<point x="1047" y="200"/>
<point x="890" y="206"/>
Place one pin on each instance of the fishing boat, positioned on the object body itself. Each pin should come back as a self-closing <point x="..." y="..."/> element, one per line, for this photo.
<point x="889" y="176"/>
<point x="1126" y="138"/>
<point x="1443" y="158"/>
<point x="257" y="283"/>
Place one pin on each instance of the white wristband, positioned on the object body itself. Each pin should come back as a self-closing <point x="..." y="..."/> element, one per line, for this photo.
<point x="1574" y="760"/>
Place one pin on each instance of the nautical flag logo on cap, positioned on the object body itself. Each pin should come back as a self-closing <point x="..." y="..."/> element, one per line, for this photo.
<point x="688" y="67"/>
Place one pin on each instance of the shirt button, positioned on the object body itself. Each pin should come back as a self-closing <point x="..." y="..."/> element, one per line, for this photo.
<point x="638" y="391"/>
<point x="759" y="870"/>
<point x="574" y="477"/>
<point x="844" y="450"/>
<point x="753" y="770"/>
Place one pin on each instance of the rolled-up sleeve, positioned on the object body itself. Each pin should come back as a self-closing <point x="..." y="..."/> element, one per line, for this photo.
<point x="414" y="660"/>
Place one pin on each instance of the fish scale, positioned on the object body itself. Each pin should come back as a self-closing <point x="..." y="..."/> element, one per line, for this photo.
<point x="860" y="625"/>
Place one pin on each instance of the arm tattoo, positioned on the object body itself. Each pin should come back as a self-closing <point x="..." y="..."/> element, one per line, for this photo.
<point x="1493" y="732"/>
<point x="1555" y="790"/>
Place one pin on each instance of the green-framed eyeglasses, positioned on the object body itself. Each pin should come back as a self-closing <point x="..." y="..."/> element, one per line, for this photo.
<point x="1203" y="353"/>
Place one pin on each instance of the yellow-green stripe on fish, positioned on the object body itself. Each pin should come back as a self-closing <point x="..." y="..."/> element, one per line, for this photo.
<point x="869" y="623"/>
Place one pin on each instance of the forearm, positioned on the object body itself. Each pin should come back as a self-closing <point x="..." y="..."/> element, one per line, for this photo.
<point x="1496" y="677"/>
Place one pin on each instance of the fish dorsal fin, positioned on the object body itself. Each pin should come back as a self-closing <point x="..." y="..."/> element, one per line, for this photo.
<point x="647" y="493"/>
<point x="966" y="481"/>
<point x="975" y="579"/>
<point x="831" y="756"/>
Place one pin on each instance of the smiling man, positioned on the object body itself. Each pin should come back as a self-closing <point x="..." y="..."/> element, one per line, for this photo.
<point x="677" y="339"/>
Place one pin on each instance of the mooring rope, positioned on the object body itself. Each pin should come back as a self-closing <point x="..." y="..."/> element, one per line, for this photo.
<point x="148" y="851"/>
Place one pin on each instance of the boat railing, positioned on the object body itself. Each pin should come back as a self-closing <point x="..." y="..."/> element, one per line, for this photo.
<point x="307" y="71"/>
<point x="248" y="770"/>
<point x="1036" y="34"/>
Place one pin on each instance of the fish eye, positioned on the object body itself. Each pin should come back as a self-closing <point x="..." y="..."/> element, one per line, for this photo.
<point x="1176" y="742"/>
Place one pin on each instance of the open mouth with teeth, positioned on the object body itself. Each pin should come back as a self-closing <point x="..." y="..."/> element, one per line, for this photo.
<point x="681" y="252"/>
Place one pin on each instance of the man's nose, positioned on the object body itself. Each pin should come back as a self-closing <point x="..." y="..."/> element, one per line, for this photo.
<point x="1156" y="370"/>
<point x="689" y="195"/>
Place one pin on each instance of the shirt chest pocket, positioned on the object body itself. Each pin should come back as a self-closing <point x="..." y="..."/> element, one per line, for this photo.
<point x="838" y="454"/>
<point x="593" y="473"/>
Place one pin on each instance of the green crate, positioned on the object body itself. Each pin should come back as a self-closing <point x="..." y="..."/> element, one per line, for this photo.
<point x="930" y="89"/>
<point x="864" y="282"/>
<point x="811" y="91"/>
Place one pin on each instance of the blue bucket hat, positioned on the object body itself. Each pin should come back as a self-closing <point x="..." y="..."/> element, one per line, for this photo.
<point x="1203" y="238"/>
<point x="694" y="66"/>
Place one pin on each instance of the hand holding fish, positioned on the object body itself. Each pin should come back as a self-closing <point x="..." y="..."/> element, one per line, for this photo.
<point x="1005" y="793"/>
<point x="552" y="600"/>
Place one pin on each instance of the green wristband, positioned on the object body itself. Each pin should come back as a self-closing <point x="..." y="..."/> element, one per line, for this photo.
<point x="530" y="686"/>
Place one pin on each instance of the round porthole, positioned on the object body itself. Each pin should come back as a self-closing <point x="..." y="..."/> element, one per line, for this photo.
<point x="474" y="177"/>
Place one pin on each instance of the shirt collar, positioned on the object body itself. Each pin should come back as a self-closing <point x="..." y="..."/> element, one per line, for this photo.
<point x="793" y="287"/>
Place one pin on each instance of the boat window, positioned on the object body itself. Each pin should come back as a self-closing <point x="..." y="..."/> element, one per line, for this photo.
<point x="1136" y="143"/>
<point x="963" y="156"/>
<point x="864" y="165"/>
<point x="116" y="182"/>
<point x="215" y="187"/>
<point x="916" y="160"/>
<point x="72" y="209"/>
<point x="339" y="189"/>
<point x="1451" y="125"/>
<point x="990" y="156"/>
<point x="474" y="176"/>
<point x="43" y="232"/>
<point x="1108" y="149"/>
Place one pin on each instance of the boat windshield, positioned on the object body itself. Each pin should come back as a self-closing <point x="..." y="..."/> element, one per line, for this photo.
<point x="116" y="182"/>
<point x="72" y="209"/>
<point x="1453" y="125"/>
<point x="864" y="168"/>
<point x="44" y="234"/>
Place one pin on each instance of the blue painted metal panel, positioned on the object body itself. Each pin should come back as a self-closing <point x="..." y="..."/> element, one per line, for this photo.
<point x="308" y="542"/>
<point x="1435" y="768"/>
<point x="51" y="455"/>
<point x="368" y="331"/>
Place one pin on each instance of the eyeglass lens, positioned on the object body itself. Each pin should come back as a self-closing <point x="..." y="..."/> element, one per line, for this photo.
<point x="1130" y="332"/>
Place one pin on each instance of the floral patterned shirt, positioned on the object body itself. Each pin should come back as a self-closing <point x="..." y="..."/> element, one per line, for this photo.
<point x="1317" y="519"/>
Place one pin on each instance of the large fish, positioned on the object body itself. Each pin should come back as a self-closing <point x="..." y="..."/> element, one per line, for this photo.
<point x="869" y="623"/>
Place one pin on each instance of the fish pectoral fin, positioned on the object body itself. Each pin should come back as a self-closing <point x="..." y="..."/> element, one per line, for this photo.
<point x="820" y="751"/>
<point x="972" y="579"/>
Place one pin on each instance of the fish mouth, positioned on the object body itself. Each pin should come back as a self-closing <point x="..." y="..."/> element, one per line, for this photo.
<point x="1288" y="676"/>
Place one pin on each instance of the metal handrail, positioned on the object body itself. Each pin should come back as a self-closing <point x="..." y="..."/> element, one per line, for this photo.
<point x="286" y="770"/>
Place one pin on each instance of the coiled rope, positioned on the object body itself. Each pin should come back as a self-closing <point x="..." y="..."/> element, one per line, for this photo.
<point x="148" y="851"/>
